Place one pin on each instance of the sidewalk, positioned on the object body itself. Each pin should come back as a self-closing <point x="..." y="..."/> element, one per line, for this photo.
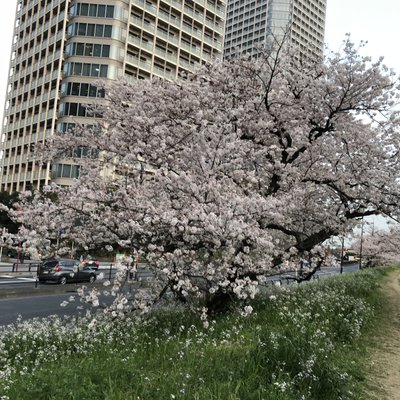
<point x="385" y="358"/>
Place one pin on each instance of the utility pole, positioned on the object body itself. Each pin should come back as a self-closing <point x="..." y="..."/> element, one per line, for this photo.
<point x="2" y="242"/>
<point x="361" y="241"/>
<point x="341" y="256"/>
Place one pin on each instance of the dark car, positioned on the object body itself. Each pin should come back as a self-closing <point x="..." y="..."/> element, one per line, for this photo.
<point x="89" y="261"/>
<point x="63" y="271"/>
<point x="92" y="264"/>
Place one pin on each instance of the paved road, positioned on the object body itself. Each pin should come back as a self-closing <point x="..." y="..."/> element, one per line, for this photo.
<point x="37" y="306"/>
<point x="21" y="295"/>
<point x="7" y="280"/>
<point x="287" y="278"/>
<point x="44" y="301"/>
<point x="25" y="274"/>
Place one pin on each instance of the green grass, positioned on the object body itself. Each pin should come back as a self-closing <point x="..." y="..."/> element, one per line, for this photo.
<point x="304" y="343"/>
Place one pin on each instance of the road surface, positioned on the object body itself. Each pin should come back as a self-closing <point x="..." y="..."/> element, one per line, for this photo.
<point x="35" y="306"/>
<point x="22" y="295"/>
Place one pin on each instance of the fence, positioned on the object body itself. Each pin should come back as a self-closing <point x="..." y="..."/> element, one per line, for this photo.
<point x="31" y="267"/>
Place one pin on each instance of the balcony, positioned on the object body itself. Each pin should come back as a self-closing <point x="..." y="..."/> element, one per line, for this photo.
<point x="135" y="61"/>
<point x="142" y="44"/>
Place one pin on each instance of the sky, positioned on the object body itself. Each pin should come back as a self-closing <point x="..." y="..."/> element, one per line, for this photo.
<point x="367" y="20"/>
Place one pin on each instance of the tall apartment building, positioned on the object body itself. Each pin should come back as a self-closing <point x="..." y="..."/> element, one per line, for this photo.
<point x="250" y="22"/>
<point x="62" y="47"/>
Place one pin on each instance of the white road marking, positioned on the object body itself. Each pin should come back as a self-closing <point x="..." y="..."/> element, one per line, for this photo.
<point x="12" y="279"/>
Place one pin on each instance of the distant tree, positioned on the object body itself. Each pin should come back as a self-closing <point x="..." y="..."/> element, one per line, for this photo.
<point x="380" y="247"/>
<point x="218" y="178"/>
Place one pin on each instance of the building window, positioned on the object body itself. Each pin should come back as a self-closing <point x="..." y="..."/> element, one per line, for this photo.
<point x="85" y="152"/>
<point x="66" y="171"/>
<point x="77" y="110"/>
<point x="83" y="29"/>
<point x="86" y="69"/>
<point x="81" y="89"/>
<point x="66" y="127"/>
<point x="73" y="109"/>
<point x="93" y="10"/>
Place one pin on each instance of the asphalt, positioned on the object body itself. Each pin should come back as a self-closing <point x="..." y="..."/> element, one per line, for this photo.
<point x="40" y="290"/>
<point x="34" y="289"/>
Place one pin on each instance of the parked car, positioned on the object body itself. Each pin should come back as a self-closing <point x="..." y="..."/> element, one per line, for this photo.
<point x="89" y="261"/>
<point x="92" y="264"/>
<point x="65" y="270"/>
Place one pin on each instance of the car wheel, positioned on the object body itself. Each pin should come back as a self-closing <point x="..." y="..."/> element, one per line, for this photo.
<point x="92" y="278"/>
<point x="63" y="280"/>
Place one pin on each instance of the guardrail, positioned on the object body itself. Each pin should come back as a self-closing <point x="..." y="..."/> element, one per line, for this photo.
<point x="31" y="266"/>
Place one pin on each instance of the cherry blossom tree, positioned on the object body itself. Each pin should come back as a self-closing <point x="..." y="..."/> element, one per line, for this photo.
<point x="217" y="178"/>
<point x="380" y="247"/>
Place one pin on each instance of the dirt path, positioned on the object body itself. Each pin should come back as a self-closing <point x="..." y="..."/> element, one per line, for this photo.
<point x="385" y="360"/>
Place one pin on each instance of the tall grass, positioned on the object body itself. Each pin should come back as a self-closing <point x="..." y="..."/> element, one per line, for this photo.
<point x="300" y="342"/>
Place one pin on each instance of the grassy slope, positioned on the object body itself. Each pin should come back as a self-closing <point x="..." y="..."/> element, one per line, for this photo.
<point x="307" y="343"/>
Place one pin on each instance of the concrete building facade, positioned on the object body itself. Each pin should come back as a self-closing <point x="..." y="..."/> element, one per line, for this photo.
<point x="250" y="22"/>
<point x="62" y="47"/>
